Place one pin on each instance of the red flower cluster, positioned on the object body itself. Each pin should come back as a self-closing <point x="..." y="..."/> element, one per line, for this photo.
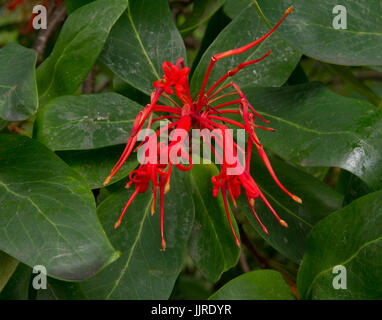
<point x="201" y="113"/>
<point x="175" y="77"/>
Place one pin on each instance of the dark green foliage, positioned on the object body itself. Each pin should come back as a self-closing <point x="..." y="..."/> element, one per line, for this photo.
<point x="64" y="123"/>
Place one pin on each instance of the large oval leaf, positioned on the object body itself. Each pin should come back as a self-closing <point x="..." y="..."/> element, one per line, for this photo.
<point x="18" y="90"/>
<point x="212" y="245"/>
<point x="310" y="29"/>
<point x="316" y="127"/>
<point x="272" y="71"/>
<point x="86" y="121"/>
<point x="232" y="8"/>
<point x="61" y="290"/>
<point x="352" y="238"/>
<point x="95" y="165"/>
<point x="144" y="271"/>
<point x="143" y="38"/>
<point x="255" y="285"/>
<point x="77" y="48"/>
<point x="319" y="200"/>
<point x="47" y="212"/>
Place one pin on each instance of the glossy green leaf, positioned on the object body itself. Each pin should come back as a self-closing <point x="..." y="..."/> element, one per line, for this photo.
<point x="202" y="11"/>
<point x="95" y="165"/>
<point x="86" y="121"/>
<point x="316" y="127"/>
<point x="47" y="212"/>
<point x="232" y="8"/>
<point x="143" y="38"/>
<point x="212" y="245"/>
<point x="144" y="271"/>
<point x="189" y="288"/>
<point x="214" y="26"/>
<point x="319" y="200"/>
<point x="72" y="5"/>
<point x="79" y="44"/>
<point x="310" y="29"/>
<point x="352" y="238"/>
<point x="61" y="290"/>
<point x="8" y="266"/>
<point x="255" y="285"/>
<point x="273" y="71"/>
<point x="351" y="186"/>
<point x="18" y="91"/>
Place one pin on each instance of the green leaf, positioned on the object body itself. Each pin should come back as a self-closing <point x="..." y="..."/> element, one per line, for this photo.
<point x="61" y="290"/>
<point x="18" y="90"/>
<point x="350" y="237"/>
<point x="72" y="5"/>
<point x="86" y="121"/>
<point x="351" y="186"/>
<point x="187" y="287"/>
<point x="47" y="212"/>
<point x="316" y="127"/>
<point x="78" y="46"/>
<point x="95" y="165"/>
<point x="255" y="285"/>
<point x="8" y="266"/>
<point x="232" y="8"/>
<point x="17" y="287"/>
<point x="309" y="29"/>
<point x="202" y="11"/>
<point x="212" y="245"/>
<point x="143" y="270"/>
<point x="143" y="38"/>
<point x="273" y="71"/>
<point x="319" y="200"/>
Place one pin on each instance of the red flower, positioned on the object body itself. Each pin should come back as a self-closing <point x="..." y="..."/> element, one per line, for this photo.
<point x="175" y="77"/>
<point x="201" y="113"/>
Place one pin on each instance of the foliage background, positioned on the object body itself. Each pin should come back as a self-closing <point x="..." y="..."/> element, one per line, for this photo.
<point x="68" y="97"/>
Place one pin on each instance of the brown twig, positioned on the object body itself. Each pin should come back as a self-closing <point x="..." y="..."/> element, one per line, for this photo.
<point x="243" y="262"/>
<point x="265" y="263"/>
<point x="369" y="75"/>
<point x="88" y="85"/>
<point x="15" y="127"/>
<point x="261" y="260"/>
<point x="56" y="15"/>
<point x="103" y="87"/>
<point x="331" y="178"/>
